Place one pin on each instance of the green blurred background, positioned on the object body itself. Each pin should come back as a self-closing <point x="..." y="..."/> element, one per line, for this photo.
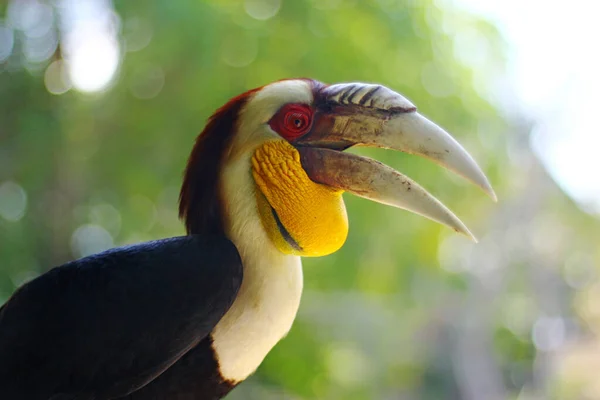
<point x="100" y="103"/>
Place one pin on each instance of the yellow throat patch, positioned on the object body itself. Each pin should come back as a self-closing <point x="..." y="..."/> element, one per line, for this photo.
<point x="300" y="216"/>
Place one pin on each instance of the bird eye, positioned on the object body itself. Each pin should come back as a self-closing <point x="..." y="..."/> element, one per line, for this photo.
<point x="295" y="121"/>
<point x="292" y="121"/>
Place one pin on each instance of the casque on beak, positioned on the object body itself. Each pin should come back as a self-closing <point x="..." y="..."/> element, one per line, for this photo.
<point x="358" y="114"/>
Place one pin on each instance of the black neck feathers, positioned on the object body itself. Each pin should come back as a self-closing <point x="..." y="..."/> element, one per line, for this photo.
<point x="200" y="204"/>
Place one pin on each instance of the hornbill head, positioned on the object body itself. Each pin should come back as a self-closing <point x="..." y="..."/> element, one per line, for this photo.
<point x="281" y="147"/>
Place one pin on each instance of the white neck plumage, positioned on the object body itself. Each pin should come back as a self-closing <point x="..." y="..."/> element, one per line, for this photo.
<point x="269" y="297"/>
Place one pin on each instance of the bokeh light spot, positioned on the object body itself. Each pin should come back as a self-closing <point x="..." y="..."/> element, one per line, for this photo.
<point x="548" y="333"/>
<point x="239" y="51"/>
<point x="93" y="62"/>
<point x="39" y="49"/>
<point x="147" y="83"/>
<point x="90" y="239"/>
<point x="262" y="9"/>
<point x="107" y="216"/>
<point x="137" y="34"/>
<point x="56" y="78"/>
<point x="471" y="48"/>
<point x="25" y="15"/>
<point x="579" y="270"/>
<point x="22" y="277"/>
<point x="13" y="201"/>
<point x="40" y="19"/>
<point x="347" y="365"/>
<point x="7" y="39"/>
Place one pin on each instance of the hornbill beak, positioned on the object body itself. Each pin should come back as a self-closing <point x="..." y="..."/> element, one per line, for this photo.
<point x="357" y="114"/>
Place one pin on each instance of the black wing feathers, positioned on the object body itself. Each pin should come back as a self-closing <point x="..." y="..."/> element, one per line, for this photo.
<point x="108" y="324"/>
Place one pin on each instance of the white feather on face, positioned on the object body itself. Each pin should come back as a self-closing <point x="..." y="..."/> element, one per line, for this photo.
<point x="253" y="128"/>
<point x="269" y="297"/>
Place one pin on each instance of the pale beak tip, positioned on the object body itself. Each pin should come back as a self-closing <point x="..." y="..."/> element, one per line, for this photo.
<point x="491" y="193"/>
<point x="487" y="188"/>
<point x="473" y="238"/>
<point x="466" y="232"/>
<point x="460" y="228"/>
<point x="479" y="179"/>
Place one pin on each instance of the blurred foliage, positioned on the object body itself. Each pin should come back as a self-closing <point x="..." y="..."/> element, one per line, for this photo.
<point x="406" y="309"/>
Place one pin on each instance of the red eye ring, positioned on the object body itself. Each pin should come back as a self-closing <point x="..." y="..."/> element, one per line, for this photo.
<point x="295" y="121"/>
<point x="292" y="121"/>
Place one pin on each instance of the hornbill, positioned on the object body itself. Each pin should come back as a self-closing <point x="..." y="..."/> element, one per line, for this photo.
<point x="191" y="317"/>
